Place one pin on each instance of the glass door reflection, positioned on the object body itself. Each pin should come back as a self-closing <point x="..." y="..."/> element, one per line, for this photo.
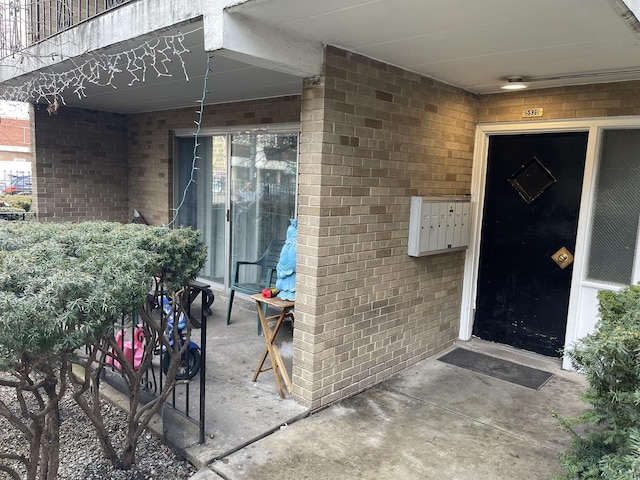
<point x="242" y="195"/>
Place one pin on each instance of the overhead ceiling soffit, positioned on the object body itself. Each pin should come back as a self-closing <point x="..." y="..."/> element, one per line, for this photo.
<point x="242" y="38"/>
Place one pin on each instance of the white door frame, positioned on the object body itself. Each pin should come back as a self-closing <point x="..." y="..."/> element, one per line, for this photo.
<point x="582" y="310"/>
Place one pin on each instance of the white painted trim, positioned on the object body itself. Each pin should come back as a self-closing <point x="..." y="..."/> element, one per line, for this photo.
<point x="600" y="286"/>
<point x="582" y="243"/>
<point x="483" y="131"/>
<point x="11" y="148"/>
<point x="470" y="279"/>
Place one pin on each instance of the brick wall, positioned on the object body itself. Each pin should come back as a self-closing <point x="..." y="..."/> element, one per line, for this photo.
<point x="81" y="166"/>
<point x="150" y="145"/>
<point x="372" y="136"/>
<point x="585" y="101"/>
<point x="14" y="132"/>
<point x="13" y="156"/>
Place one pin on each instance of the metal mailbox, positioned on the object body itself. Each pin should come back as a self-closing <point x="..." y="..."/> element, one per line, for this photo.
<point x="438" y="225"/>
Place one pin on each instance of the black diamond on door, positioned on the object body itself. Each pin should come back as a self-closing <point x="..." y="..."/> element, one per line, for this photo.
<point x="532" y="179"/>
<point x="522" y="294"/>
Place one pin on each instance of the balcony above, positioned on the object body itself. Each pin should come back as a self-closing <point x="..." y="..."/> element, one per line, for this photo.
<point x="26" y="23"/>
<point x="143" y="55"/>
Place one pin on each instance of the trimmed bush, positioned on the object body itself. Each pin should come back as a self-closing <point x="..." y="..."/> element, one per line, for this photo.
<point x="610" y="360"/>
<point x="22" y="202"/>
<point x="61" y="288"/>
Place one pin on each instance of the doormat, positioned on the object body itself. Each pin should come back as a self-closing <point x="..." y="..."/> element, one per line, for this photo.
<point x="497" y="368"/>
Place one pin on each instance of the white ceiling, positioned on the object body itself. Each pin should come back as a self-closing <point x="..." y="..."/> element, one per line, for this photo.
<point x="471" y="44"/>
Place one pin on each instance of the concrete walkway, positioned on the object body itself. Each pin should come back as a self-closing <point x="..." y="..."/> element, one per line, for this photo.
<point x="433" y="421"/>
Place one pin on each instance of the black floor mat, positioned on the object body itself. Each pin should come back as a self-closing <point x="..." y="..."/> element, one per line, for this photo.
<point x="497" y="368"/>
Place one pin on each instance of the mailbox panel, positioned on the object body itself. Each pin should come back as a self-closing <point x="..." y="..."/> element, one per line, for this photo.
<point x="438" y="225"/>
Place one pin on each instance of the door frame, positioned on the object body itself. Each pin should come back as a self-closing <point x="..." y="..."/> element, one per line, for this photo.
<point x="582" y="312"/>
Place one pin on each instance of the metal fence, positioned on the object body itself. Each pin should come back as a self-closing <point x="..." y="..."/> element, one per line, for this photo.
<point x="14" y="182"/>
<point x="188" y="396"/>
<point x="25" y="22"/>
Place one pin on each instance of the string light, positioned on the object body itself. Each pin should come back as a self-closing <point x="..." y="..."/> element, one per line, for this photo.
<point x="102" y="70"/>
<point x="153" y="56"/>
<point x="196" y="144"/>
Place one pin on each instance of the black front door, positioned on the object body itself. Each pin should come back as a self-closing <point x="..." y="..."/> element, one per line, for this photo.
<point x="530" y="218"/>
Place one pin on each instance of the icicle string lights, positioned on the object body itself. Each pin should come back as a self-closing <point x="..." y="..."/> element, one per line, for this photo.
<point x="153" y="56"/>
<point x="196" y="144"/>
<point x="101" y="70"/>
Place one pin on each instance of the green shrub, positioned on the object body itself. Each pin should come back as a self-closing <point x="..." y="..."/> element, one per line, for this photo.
<point x="19" y="201"/>
<point x="62" y="286"/>
<point x="12" y="209"/>
<point x="610" y="360"/>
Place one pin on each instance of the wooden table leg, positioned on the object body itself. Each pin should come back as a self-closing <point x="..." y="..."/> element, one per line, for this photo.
<point x="282" y="370"/>
<point x="269" y="338"/>
<point x="271" y="350"/>
<point x="263" y="322"/>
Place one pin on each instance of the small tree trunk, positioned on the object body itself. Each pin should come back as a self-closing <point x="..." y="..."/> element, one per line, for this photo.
<point x="128" y="455"/>
<point x="53" y="443"/>
<point x="44" y="461"/>
<point x="82" y="386"/>
<point x="34" y="454"/>
<point x="50" y="448"/>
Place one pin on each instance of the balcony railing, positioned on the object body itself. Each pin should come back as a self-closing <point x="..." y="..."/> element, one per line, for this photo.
<point x="26" y="22"/>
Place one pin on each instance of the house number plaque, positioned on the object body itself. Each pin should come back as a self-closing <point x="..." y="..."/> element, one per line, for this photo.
<point x="532" y="112"/>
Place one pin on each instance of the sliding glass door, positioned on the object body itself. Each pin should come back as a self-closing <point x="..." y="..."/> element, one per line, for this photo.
<point x="239" y="190"/>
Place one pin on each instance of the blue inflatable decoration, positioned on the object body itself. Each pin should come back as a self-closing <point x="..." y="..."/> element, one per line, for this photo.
<point x="286" y="267"/>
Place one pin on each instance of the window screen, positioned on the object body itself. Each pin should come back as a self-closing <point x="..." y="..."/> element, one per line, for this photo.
<point x="616" y="208"/>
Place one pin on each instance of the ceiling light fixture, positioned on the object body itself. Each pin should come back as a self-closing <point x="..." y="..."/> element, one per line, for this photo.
<point x="514" y="83"/>
<point x="519" y="82"/>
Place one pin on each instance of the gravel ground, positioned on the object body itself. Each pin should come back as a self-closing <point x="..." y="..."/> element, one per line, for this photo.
<point x="80" y="452"/>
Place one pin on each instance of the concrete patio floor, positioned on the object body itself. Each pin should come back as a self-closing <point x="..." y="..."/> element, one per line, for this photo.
<point x="432" y="421"/>
<point x="238" y="410"/>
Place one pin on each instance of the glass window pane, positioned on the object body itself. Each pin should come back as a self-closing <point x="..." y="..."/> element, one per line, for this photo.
<point x="263" y="187"/>
<point x="616" y="208"/>
<point x="217" y="253"/>
<point x="205" y="198"/>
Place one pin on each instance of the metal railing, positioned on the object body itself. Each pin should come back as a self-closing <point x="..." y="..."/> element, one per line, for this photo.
<point x="26" y="22"/>
<point x="187" y="398"/>
<point x="15" y="182"/>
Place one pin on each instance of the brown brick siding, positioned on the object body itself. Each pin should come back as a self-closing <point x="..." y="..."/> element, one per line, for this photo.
<point x="82" y="157"/>
<point x="14" y="132"/>
<point x="567" y="103"/>
<point x="373" y="135"/>
<point x="150" y="154"/>
<point x="81" y="166"/>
